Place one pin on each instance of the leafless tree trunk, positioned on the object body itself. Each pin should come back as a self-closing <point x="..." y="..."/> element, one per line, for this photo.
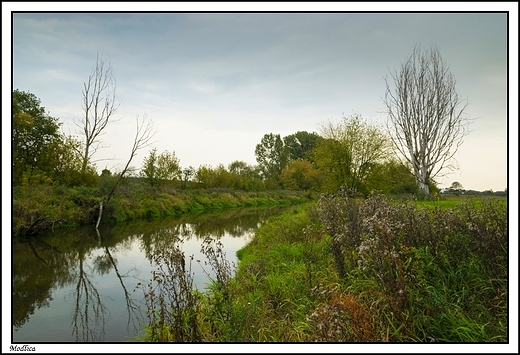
<point x="425" y="115"/>
<point x="143" y="138"/>
<point x="99" y="105"/>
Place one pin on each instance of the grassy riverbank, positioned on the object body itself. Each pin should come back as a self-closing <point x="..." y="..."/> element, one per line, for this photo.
<point x="357" y="270"/>
<point x="42" y="207"/>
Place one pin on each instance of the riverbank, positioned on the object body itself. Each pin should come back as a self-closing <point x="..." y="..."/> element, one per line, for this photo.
<point x="42" y="207"/>
<point x="414" y="274"/>
<point x="394" y="272"/>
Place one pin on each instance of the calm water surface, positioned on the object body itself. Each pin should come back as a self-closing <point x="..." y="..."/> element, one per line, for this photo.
<point x="78" y="286"/>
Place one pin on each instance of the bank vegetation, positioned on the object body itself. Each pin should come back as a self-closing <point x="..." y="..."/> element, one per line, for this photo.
<point x="347" y="269"/>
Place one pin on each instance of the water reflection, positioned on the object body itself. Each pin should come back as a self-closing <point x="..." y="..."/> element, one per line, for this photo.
<point x="78" y="285"/>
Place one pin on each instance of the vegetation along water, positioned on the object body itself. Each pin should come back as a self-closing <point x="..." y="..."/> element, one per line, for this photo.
<point x="355" y="270"/>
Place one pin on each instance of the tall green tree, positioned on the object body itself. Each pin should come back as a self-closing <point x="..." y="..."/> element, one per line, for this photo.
<point x="271" y="156"/>
<point x="334" y="162"/>
<point x="34" y="134"/>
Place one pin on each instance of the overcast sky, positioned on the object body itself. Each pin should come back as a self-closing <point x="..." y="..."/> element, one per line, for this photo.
<point x="215" y="83"/>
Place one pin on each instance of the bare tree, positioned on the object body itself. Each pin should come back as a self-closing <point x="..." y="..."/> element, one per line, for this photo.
<point x="144" y="134"/>
<point x="100" y="103"/>
<point x="426" y="118"/>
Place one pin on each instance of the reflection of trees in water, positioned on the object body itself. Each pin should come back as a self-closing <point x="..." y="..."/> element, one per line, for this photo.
<point x="89" y="314"/>
<point x="235" y="223"/>
<point x="65" y="258"/>
<point x="132" y="305"/>
<point x="37" y="268"/>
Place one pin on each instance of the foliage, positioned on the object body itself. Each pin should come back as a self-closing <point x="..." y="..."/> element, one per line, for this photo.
<point x="34" y="134"/>
<point x="172" y="304"/>
<point x="456" y="186"/>
<point x="301" y="175"/>
<point x="274" y="154"/>
<point x="159" y="168"/>
<point x="299" y="146"/>
<point x="240" y="176"/>
<point x="432" y="272"/>
<point x="348" y="152"/>
<point x="390" y="177"/>
<point x="271" y="156"/>
<point x="246" y="177"/>
<point x="68" y="164"/>
<point x="186" y="175"/>
<point x="41" y="155"/>
<point x="40" y="207"/>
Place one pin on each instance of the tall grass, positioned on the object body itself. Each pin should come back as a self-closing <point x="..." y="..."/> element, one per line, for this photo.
<point x="365" y="270"/>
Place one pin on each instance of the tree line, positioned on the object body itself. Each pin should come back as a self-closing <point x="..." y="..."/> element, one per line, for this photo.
<point x="425" y="128"/>
<point x="352" y="153"/>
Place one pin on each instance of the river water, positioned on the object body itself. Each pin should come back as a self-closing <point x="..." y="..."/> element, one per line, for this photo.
<point x="82" y="286"/>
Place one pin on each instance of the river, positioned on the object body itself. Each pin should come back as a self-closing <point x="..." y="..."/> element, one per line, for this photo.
<point x="77" y="285"/>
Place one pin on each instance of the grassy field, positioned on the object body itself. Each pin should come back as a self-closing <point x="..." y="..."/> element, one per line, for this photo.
<point x="452" y="201"/>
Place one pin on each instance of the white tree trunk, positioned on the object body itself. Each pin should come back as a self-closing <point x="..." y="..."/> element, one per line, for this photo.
<point x="100" y="214"/>
<point x="424" y="188"/>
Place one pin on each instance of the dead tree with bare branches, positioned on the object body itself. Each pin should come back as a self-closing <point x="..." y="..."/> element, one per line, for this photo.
<point x="426" y="117"/>
<point x="99" y="105"/>
<point x="144" y="134"/>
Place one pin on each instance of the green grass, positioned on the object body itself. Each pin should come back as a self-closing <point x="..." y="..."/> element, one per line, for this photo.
<point x="288" y="273"/>
<point x="441" y="278"/>
<point x="452" y="201"/>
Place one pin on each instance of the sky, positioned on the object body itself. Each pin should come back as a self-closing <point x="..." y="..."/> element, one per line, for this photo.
<point x="215" y="83"/>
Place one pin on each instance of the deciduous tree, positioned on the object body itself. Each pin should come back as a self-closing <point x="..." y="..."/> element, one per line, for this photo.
<point x="158" y="168"/>
<point x="425" y="115"/>
<point x="144" y="134"/>
<point x="34" y="134"/>
<point x="299" y="145"/>
<point x="348" y="151"/>
<point x="99" y="104"/>
<point x="301" y="175"/>
<point x="391" y="177"/>
<point x="271" y="156"/>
